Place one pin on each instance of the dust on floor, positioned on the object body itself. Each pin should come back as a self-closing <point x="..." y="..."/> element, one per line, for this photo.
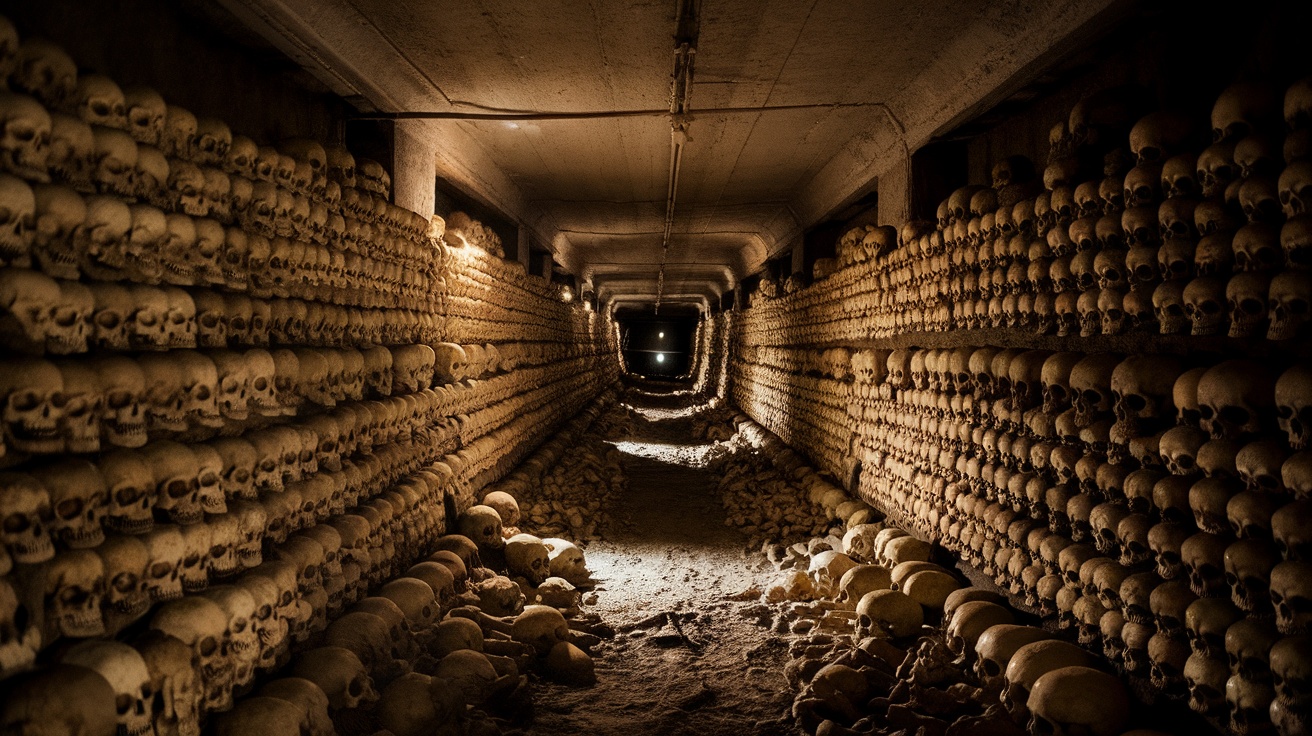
<point x="689" y="659"/>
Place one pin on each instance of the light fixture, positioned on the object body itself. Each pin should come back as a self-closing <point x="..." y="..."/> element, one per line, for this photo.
<point x="661" y="335"/>
<point x="660" y="357"/>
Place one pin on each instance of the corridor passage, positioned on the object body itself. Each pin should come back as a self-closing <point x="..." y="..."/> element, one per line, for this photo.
<point x="688" y="658"/>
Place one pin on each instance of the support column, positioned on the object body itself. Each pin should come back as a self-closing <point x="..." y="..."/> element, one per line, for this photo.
<point x="414" y="169"/>
<point x="523" y="246"/>
<point x="894" y="207"/>
<point x="798" y="264"/>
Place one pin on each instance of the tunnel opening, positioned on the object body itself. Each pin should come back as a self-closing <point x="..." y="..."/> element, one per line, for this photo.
<point x="659" y="347"/>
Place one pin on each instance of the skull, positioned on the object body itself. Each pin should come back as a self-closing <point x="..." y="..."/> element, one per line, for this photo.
<point x="1293" y="398"/>
<point x="482" y="524"/>
<point x="1030" y="662"/>
<point x="126" y="672"/>
<point x="1205" y="304"/>
<point x="1291" y="596"/>
<point x="1204" y="557"/>
<point x="1057" y="700"/>
<point x="1235" y="398"/>
<point x="1090" y="383"/>
<point x="79" y="500"/>
<point x="166" y="550"/>
<point x="58" y="699"/>
<point x="527" y="557"/>
<point x="567" y="561"/>
<point x="28" y="301"/>
<point x="27" y="515"/>
<point x="1249" y="705"/>
<point x="449" y="362"/>
<point x="1289" y="304"/>
<point x="888" y="613"/>
<point x="177" y="485"/>
<point x="202" y="625"/>
<point x="25" y="129"/>
<point x="74" y="586"/>
<point x="339" y="673"/>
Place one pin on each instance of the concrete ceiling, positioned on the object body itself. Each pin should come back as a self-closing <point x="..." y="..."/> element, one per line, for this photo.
<point x="594" y="190"/>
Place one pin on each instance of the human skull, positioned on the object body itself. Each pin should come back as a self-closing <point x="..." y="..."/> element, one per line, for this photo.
<point x="339" y="673"/>
<point x="1289" y="589"/>
<point x="79" y="500"/>
<point x="25" y="129"/>
<point x="1028" y="663"/>
<point x="482" y="524"/>
<point x="529" y="558"/>
<point x="888" y="613"/>
<point x="567" y="561"/>
<point x="73" y="585"/>
<point x="60" y="699"/>
<point x="126" y="672"/>
<point x="1058" y="702"/>
<point x="177" y="483"/>
<point x="1235" y="399"/>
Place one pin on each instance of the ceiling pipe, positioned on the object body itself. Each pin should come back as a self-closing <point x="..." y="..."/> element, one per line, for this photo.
<point x="687" y="20"/>
<point x="538" y="116"/>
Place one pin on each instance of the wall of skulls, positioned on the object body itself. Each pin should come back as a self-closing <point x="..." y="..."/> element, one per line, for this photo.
<point x="238" y="387"/>
<point x="1094" y="389"/>
<point x="710" y="373"/>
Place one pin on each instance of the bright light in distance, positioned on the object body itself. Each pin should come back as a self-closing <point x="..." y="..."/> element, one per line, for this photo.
<point x="660" y="334"/>
<point x="660" y="357"/>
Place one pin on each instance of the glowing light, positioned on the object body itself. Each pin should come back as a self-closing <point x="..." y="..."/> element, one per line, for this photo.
<point x="660" y="357"/>
<point x="661" y="335"/>
<point x="513" y="126"/>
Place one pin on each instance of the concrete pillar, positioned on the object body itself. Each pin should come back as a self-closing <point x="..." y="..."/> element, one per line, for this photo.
<point x="414" y="168"/>
<point x="894" y="205"/>
<point x="523" y="247"/>
<point x="798" y="264"/>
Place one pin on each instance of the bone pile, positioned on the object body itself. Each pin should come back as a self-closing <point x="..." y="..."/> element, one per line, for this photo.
<point x="903" y="646"/>
<point x="772" y="495"/>
<point x="566" y="487"/>
<point x="890" y="641"/>
<point x="1089" y="383"/>
<point x="239" y="390"/>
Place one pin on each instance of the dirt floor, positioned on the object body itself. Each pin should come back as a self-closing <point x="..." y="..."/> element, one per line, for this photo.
<point x="689" y="657"/>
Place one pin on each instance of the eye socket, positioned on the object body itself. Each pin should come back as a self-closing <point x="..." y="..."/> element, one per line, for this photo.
<point x="177" y="488"/>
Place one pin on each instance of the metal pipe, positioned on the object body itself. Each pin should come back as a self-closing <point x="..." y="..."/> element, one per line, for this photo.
<point x="532" y="116"/>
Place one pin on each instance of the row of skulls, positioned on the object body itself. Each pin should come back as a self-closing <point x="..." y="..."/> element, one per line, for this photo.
<point x="108" y="239"/>
<point x="323" y="538"/>
<point x="307" y="594"/>
<point x="809" y="413"/>
<point x="334" y="458"/>
<point x="251" y="490"/>
<point x="492" y="298"/>
<point x="237" y="590"/>
<point x="79" y="406"/>
<point x="1009" y="459"/>
<point x="91" y="137"/>
<point x="1164" y="240"/>
<point x="57" y="317"/>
